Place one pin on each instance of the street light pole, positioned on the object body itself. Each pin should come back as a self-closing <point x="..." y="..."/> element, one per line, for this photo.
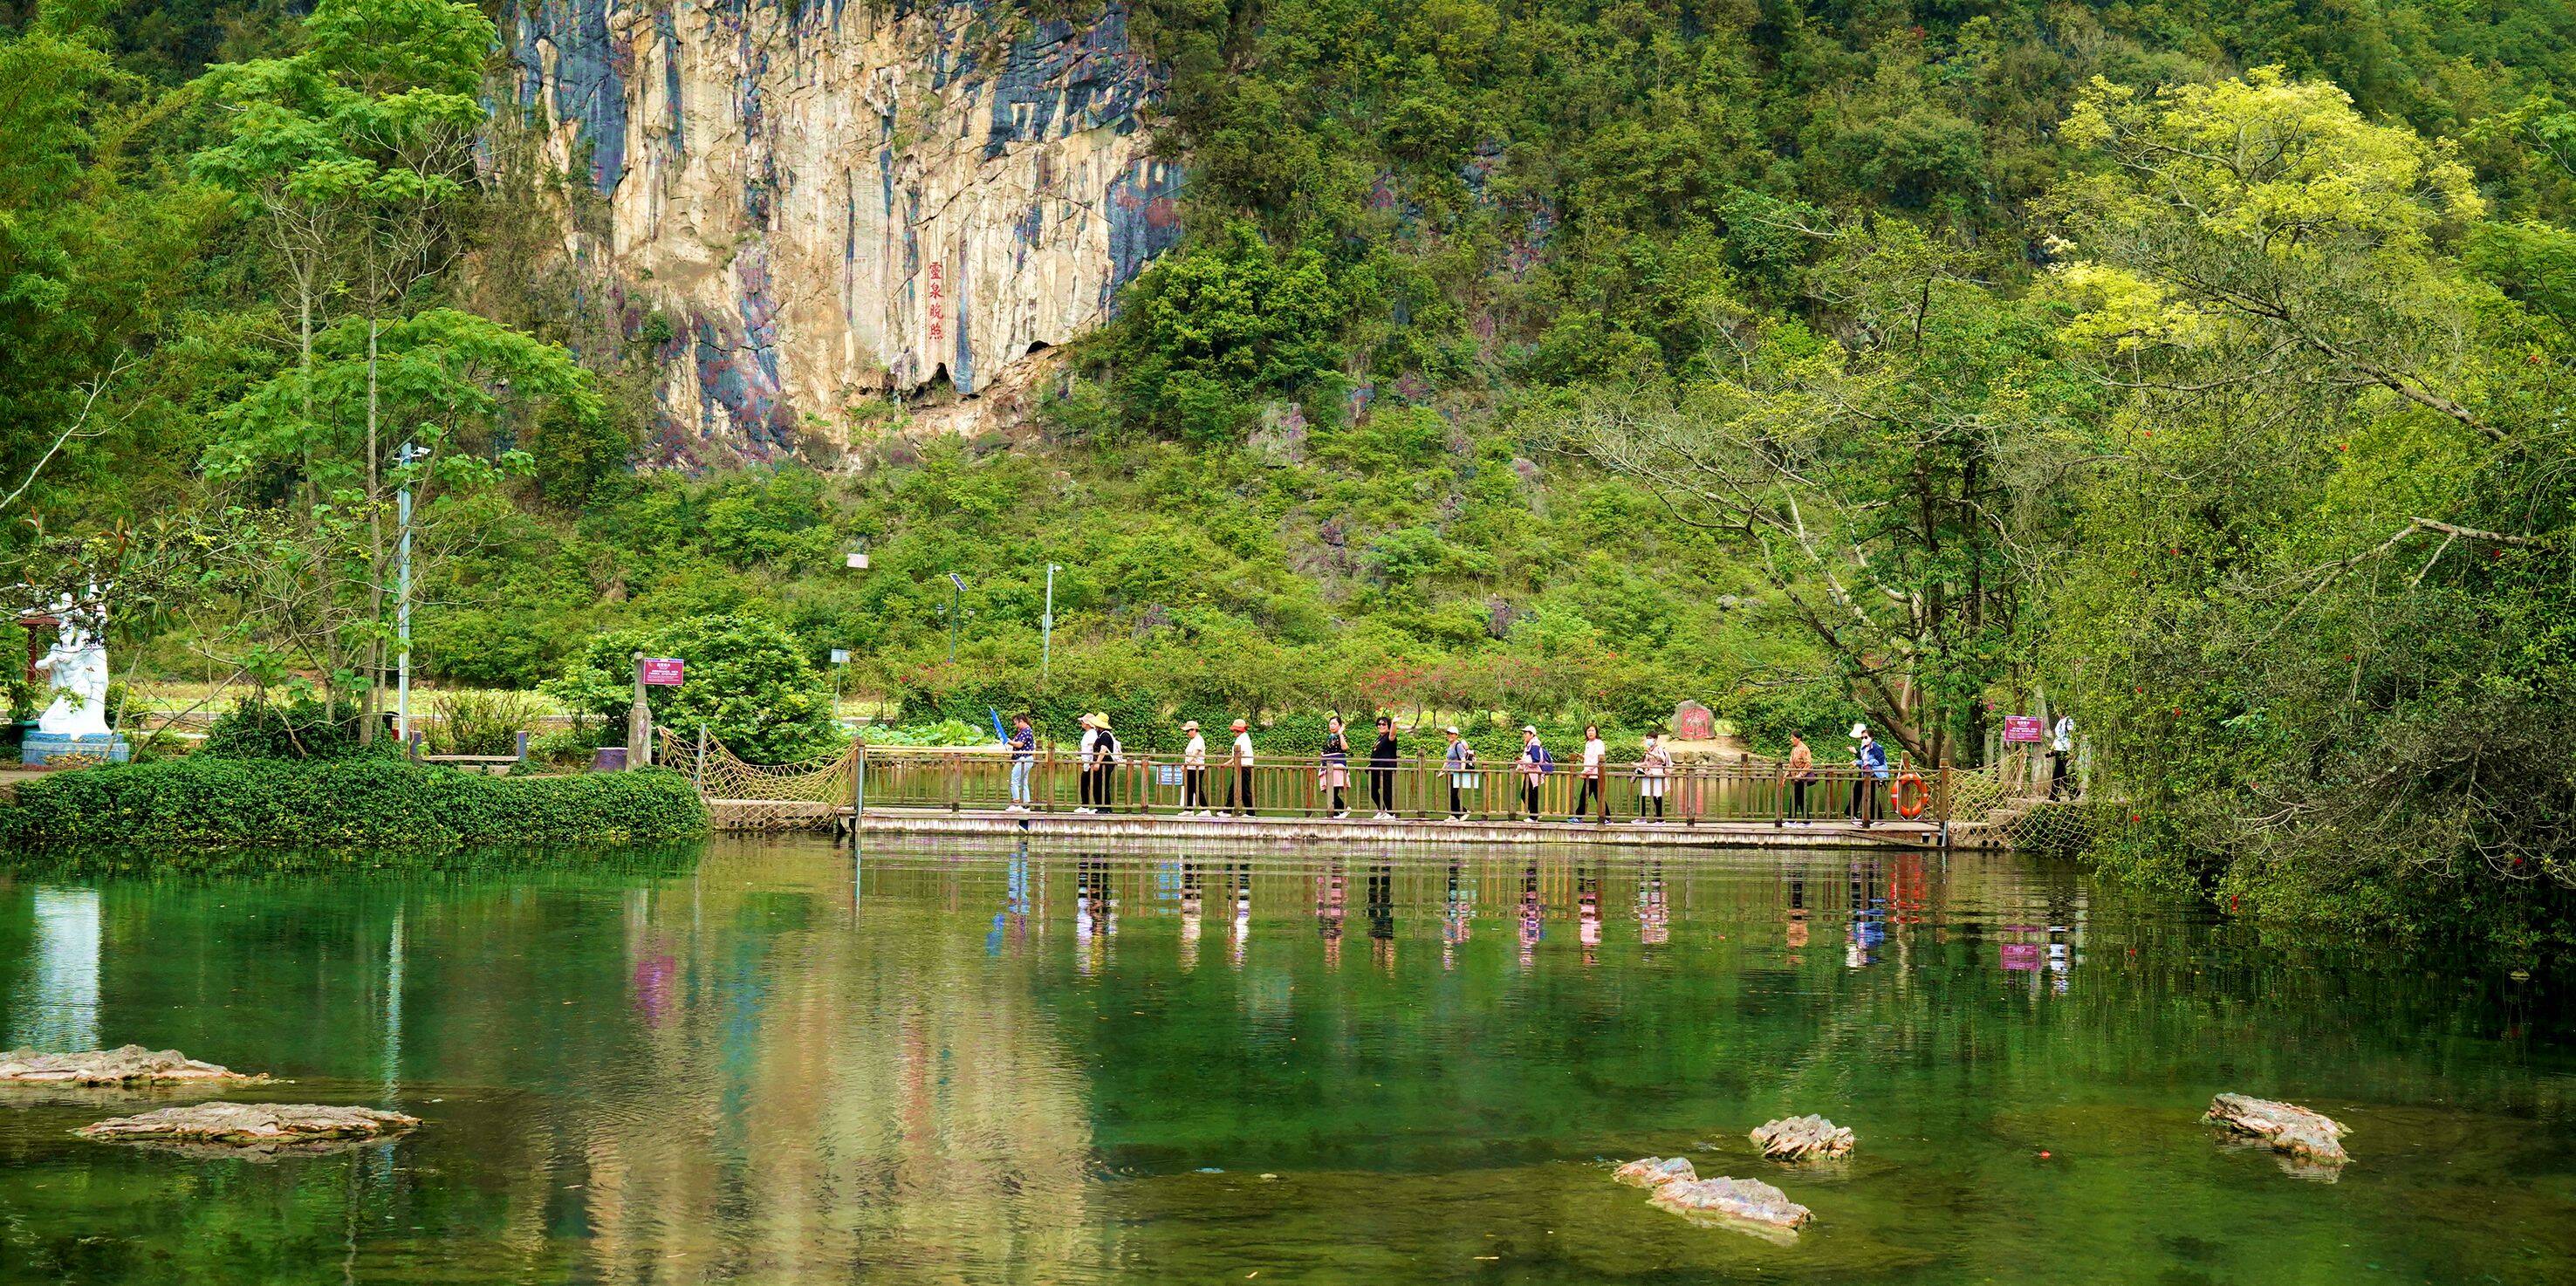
<point x="402" y="608"/>
<point x="1046" y="628"/>
<point x="955" y="595"/>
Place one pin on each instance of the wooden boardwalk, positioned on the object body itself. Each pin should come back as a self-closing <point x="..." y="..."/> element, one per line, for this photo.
<point x="732" y="815"/>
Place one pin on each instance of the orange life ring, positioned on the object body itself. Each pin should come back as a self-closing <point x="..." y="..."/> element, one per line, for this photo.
<point x="1922" y="795"/>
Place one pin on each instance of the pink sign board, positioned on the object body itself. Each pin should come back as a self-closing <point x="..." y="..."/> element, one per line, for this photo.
<point x="2023" y="727"/>
<point x="663" y="671"/>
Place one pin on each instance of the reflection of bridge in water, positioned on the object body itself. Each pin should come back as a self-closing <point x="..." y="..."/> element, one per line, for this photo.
<point x="1739" y="804"/>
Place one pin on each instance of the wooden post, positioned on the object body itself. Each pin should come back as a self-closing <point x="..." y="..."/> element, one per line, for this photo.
<point x="639" y="723"/>
<point x="698" y="770"/>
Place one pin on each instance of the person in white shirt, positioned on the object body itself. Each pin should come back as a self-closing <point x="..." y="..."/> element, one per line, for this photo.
<point x="1653" y="769"/>
<point x="1239" y="799"/>
<point x="2063" y="746"/>
<point x="1082" y="763"/>
<point x="1595" y="751"/>
<point x="1194" y="773"/>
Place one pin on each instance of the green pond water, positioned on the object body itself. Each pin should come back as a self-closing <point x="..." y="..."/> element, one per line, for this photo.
<point x="987" y="1064"/>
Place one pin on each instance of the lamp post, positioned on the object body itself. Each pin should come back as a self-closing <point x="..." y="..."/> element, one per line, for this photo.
<point x="1046" y="628"/>
<point x="955" y="597"/>
<point x="402" y="601"/>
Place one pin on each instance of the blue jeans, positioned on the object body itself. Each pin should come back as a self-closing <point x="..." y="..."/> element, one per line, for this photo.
<point x="1019" y="781"/>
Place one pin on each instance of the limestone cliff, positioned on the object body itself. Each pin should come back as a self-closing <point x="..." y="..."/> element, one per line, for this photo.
<point x="834" y="199"/>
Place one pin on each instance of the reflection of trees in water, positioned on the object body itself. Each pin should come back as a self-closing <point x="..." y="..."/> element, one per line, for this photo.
<point x="841" y="1097"/>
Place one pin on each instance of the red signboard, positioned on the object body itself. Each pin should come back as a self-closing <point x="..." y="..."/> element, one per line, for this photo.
<point x="2023" y="727"/>
<point x="663" y="671"/>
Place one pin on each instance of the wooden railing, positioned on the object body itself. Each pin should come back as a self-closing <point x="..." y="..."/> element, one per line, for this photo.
<point x="902" y="777"/>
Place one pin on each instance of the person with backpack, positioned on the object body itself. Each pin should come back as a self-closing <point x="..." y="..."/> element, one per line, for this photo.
<point x="1382" y="758"/>
<point x="1459" y="761"/>
<point x="1535" y="765"/>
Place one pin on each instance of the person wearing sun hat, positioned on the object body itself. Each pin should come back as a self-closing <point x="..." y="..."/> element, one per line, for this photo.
<point x="1194" y="773"/>
<point x="1871" y="759"/>
<point x="1104" y="754"/>
<point x="1082" y="763"/>
<point x="1239" y="799"/>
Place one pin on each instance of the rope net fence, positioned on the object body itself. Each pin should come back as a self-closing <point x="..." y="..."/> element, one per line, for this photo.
<point x="721" y="774"/>
<point x="2009" y="801"/>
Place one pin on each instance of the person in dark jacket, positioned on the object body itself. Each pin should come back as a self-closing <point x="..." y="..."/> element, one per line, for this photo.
<point x="1382" y="760"/>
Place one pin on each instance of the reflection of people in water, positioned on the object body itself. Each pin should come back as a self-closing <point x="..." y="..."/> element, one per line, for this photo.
<point x="1240" y="876"/>
<point x="1457" y="909"/>
<point x="1654" y="919"/>
<point x="1533" y="915"/>
<point x="1012" y="920"/>
<point x="1587" y="912"/>
<point x="1868" y="916"/>
<point x="1381" y="914"/>
<point x="1189" y="915"/>
<point x="1095" y="913"/>
<point x="1797" y="931"/>
<point x="1332" y="905"/>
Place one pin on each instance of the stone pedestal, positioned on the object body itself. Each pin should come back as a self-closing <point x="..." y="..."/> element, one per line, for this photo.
<point x="41" y="748"/>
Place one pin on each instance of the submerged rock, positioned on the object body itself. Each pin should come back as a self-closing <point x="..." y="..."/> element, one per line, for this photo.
<point x="1798" y="1138"/>
<point x="257" y="1124"/>
<point x="2287" y="1127"/>
<point x="120" y="1066"/>
<point x="1748" y="1200"/>
<point x="1655" y="1172"/>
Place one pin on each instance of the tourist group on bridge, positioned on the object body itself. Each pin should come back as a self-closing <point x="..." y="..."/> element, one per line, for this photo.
<point x="1458" y="772"/>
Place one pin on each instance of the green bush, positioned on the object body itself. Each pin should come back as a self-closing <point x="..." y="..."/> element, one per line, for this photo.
<point x="350" y="803"/>
<point x="481" y="723"/>
<point x="749" y="682"/>
<point x="296" y="729"/>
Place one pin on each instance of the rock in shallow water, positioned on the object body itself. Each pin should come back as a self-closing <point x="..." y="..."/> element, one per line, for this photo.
<point x="1655" y="1172"/>
<point x="2287" y="1127"/>
<point x="120" y="1066"/>
<point x="1749" y="1200"/>
<point x="253" y="1123"/>
<point x="1798" y="1138"/>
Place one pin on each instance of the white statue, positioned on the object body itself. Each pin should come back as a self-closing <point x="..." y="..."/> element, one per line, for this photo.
<point x="77" y="666"/>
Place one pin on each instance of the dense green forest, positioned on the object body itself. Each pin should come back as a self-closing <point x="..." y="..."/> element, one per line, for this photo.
<point x="2198" y="369"/>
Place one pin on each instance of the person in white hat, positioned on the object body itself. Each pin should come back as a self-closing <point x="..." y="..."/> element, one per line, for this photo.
<point x="1459" y="760"/>
<point x="1194" y="773"/>
<point x="1238" y="797"/>
<point x="1082" y="764"/>
<point x="1534" y="766"/>
<point x="1104" y="757"/>
<point x="1870" y="758"/>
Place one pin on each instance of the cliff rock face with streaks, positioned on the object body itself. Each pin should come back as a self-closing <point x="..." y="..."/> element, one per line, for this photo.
<point x="833" y="200"/>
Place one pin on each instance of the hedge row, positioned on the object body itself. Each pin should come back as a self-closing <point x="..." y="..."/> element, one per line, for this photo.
<point x="346" y="803"/>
